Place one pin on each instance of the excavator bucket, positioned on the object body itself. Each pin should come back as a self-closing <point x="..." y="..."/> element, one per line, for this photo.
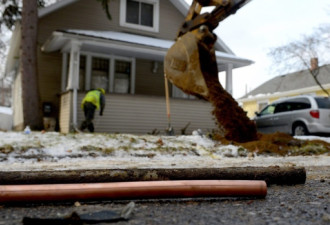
<point x="182" y="66"/>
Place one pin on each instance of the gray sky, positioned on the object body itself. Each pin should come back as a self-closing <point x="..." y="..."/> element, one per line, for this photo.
<point x="264" y="24"/>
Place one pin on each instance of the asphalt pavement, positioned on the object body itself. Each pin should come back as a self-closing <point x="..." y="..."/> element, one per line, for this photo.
<point x="299" y="204"/>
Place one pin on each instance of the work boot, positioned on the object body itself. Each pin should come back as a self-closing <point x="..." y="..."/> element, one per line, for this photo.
<point x="91" y="127"/>
<point x="83" y="125"/>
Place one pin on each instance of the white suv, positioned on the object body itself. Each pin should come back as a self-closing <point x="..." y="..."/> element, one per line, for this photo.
<point x="300" y="115"/>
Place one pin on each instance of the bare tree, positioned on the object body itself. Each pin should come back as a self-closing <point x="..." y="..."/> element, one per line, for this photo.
<point x="297" y="55"/>
<point x="10" y="11"/>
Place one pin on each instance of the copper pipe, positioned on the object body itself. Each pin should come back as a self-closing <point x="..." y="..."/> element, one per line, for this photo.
<point x="129" y="190"/>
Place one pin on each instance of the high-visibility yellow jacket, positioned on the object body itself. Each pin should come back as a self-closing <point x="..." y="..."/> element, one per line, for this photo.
<point x="94" y="97"/>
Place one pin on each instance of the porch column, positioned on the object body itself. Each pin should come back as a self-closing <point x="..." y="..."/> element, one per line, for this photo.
<point x="73" y="80"/>
<point x="229" y="78"/>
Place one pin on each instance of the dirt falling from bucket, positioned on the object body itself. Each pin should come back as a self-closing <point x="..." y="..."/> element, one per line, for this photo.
<point x="229" y="115"/>
<point x="238" y="127"/>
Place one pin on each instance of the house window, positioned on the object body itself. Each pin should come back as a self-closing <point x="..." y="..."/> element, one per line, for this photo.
<point x="82" y="72"/>
<point x="140" y="14"/>
<point x="268" y="110"/>
<point x="178" y="93"/>
<point x="100" y="73"/>
<point x="115" y="74"/>
<point x="122" y="76"/>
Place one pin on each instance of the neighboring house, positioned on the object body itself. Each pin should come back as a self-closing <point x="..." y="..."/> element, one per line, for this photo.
<point x="288" y="85"/>
<point x="5" y="96"/>
<point x="6" y="118"/>
<point x="80" y="49"/>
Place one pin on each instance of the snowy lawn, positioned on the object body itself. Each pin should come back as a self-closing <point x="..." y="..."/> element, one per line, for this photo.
<point x="55" y="151"/>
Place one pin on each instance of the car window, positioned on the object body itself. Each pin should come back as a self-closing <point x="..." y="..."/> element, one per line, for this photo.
<point x="268" y="110"/>
<point x="323" y="103"/>
<point x="300" y="103"/>
<point x="282" y="107"/>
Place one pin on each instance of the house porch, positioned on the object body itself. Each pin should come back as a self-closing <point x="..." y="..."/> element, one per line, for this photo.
<point x="138" y="114"/>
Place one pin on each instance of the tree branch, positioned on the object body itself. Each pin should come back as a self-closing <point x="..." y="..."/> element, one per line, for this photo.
<point x="296" y="55"/>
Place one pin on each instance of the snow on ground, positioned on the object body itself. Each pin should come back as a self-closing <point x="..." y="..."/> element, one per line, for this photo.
<point x="55" y="151"/>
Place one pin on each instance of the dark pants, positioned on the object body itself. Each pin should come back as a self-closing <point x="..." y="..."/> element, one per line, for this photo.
<point x="89" y="110"/>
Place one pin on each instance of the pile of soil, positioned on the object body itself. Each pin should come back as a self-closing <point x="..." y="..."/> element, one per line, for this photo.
<point x="236" y="128"/>
<point x="280" y="144"/>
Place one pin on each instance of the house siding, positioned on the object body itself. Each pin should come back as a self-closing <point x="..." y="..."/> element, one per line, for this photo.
<point x="322" y="93"/>
<point x="65" y="112"/>
<point x="170" y="20"/>
<point x="147" y="82"/>
<point x="89" y="15"/>
<point x="142" y="114"/>
<point x="250" y="108"/>
<point x="18" y="123"/>
<point x="49" y="71"/>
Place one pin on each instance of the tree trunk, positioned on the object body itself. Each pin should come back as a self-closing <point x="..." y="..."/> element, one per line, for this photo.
<point x="30" y="90"/>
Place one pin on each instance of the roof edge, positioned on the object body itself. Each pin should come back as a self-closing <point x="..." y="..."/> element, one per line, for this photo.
<point x="282" y="94"/>
<point x="224" y="58"/>
<point x="284" y="76"/>
<point x="181" y="5"/>
<point x="49" y="9"/>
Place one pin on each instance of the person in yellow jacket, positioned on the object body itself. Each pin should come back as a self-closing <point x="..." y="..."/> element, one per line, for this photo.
<point x="94" y="99"/>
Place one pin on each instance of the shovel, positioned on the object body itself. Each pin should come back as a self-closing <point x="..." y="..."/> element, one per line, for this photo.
<point x="169" y="130"/>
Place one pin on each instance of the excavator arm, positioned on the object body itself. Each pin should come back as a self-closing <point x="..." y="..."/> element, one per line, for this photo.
<point x="223" y="9"/>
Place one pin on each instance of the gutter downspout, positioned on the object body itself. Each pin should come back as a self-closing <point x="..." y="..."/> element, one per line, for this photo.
<point x="229" y="78"/>
<point x="74" y="112"/>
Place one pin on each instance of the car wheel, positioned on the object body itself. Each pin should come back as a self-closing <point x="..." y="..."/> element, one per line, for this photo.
<point x="299" y="130"/>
